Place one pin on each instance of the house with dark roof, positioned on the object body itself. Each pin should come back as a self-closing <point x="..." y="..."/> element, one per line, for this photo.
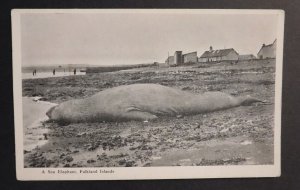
<point x="219" y="55"/>
<point x="246" y="57"/>
<point x="267" y="51"/>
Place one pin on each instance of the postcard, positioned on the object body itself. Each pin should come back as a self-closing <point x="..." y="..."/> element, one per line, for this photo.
<point x="126" y="94"/>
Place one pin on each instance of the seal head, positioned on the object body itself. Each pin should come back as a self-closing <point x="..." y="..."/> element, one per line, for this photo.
<point x="49" y="113"/>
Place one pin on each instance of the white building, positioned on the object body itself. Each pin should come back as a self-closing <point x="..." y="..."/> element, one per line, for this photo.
<point x="267" y="51"/>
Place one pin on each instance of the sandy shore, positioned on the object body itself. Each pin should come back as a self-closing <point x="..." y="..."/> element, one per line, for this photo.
<point x="242" y="135"/>
<point x="34" y="114"/>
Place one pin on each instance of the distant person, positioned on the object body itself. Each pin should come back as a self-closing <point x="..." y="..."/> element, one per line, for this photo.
<point x="53" y="71"/>
<point x="74" y="71"/>
<point x="33" y="73"/>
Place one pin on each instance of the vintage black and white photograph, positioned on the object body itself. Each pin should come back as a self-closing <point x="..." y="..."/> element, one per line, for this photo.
<point x="143" y="94"/>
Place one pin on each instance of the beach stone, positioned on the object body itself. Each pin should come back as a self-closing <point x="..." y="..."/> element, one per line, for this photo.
<point x="45" y="136"/>
<point x="90" y="161"/>
<point x="122" y="162"/>
<point x="69" y="159"/>
<point x="129" y="163"/>
<point x="48" y="163"/>
<point x="91" y="148"/>
<point x="179" y="116"/>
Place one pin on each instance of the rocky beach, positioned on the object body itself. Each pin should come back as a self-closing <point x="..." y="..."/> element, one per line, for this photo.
<point x="238" y="136"/>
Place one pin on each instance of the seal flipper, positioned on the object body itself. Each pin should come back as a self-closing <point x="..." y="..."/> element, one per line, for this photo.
<point x="132" y="108"/>
<point x="140" y="115"/>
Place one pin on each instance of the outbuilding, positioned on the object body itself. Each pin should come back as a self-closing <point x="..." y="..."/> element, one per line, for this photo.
<point x="246" y="57"/>
<point x="179" y="58"/>
<point x="170" y="60"/>
<point x="190" y="57"/>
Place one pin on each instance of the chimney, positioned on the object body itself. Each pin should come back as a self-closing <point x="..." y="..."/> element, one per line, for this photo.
<point x="210" y="48"/>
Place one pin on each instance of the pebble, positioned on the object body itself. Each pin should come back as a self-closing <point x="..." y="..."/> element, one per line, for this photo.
<point x="62" y="155"/>
<point x="224" y="130"/>
<point x="90" y="161"/>
<point x="122" y="161"/>
<point x="91" y="148"/>
<point x="129" y="163"/>
<point x="69" y="159"/>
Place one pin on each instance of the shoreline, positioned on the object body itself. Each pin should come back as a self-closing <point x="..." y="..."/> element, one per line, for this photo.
<point x="35" y="132"/>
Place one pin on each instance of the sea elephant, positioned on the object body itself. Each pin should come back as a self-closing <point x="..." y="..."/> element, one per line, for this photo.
<point x="142" y="102"/>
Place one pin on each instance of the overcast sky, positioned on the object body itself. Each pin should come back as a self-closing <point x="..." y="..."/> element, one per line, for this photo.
<point x="124" y="38"/>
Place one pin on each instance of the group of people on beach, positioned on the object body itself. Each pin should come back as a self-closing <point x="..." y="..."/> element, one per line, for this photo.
<point x="74" y="71"/>
<point x="34" y="72"/>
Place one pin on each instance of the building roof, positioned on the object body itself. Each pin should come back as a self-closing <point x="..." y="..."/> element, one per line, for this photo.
<point x="264" y="47"/>
<point x="190" y="53"/>
<point x="217" y="53"/>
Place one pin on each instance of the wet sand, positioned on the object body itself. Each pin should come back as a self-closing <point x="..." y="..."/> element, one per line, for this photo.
<point x="34" y="114"/>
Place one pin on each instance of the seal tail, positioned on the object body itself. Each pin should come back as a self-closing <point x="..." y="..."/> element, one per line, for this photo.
<point x="248" y="100"/>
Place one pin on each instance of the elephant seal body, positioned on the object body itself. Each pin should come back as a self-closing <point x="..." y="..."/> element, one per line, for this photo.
<point x="142" y="102"/>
